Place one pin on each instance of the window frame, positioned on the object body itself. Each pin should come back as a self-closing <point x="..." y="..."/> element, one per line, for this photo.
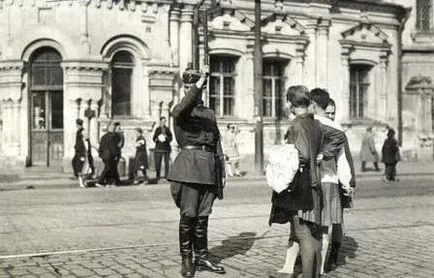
<point x="420" y="24"/>
<point x="273" y="77"/>
<point x="360" y="83"/>
<point x="122" y="66"/>
<point x="221" y="75"/>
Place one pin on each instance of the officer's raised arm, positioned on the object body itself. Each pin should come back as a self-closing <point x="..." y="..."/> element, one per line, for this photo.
<point x="193" y="85"/>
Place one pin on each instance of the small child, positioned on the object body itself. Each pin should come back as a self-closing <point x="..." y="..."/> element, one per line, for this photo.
<point x="141" y="159"/>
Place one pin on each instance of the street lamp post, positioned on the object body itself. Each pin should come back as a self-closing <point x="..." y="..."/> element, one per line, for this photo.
<point x="259" y="133"/>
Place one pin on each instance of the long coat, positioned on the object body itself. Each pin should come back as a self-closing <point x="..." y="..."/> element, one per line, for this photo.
<point x="368" y="152"/>
<point x="390" y="151"/>
<point x="141" y="159"/>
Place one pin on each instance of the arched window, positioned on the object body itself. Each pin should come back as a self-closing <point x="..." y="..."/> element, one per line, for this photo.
<point x="122" y="80"/>
<point x="359" y="86"/>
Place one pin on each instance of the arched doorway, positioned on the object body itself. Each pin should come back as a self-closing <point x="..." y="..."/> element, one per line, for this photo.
<point x="46" y="108"/>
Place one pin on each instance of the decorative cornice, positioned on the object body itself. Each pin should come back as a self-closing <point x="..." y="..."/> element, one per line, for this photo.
<point x="11" y="65"/>
<point x="232" y="11"/>
<point x="84" y="65"/>
<point x="419" y="82"/>
<point x="286" y="19"/>
<point x="352" y="43"/>
<point x="371" y="27"/>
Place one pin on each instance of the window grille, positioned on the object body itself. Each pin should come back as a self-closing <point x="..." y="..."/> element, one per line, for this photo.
<point x="424" y="15"/>
<point x="222" y="85"/>
<point x="272" y="100"/>
<point x="359" y="85"/>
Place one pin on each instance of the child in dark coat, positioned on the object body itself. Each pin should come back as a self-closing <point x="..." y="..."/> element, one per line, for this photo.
<point x="390" y="152"/>
<point x="141" y="159"/>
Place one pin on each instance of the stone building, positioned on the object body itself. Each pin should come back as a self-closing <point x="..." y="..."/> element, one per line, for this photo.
<point x="417" y="77"/>
<point x="120" y="60"/>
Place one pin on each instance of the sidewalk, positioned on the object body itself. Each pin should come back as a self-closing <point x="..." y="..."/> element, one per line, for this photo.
<point x="40" y="179"/>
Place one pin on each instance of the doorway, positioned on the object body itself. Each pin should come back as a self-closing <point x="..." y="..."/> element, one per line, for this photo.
<point x="46" y="113"/>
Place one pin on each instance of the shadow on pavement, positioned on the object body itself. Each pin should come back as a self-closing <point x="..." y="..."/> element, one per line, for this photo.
<point x="348" y="250"/>
<point x="234" y="245"/>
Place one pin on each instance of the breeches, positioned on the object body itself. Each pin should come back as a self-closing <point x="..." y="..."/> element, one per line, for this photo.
<point x="194" y="199"/>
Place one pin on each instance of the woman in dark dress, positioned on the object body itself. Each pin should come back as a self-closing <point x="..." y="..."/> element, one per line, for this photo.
<point x="390" y="152"/>
<point x="141" y="159"/>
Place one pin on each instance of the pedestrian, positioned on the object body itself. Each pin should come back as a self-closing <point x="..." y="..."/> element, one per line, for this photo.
<point x="197" y="174"/>
<point x="301" y="205"/>
<point x="109" y="151"/>
<point x="368" y="152"/>
<point x="390" y="155"/>
<point x="335" y="173"/>
<point x="141" y="158"/>
<point x="230" y="149"/>
<point x="120" y="141"/>
<point x="79" y="153"/>
<point x="162" y="138"/>
<point x="346" y="201"/>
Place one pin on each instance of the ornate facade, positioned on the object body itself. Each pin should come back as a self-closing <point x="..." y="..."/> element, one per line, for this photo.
<point x="120" y="60"/>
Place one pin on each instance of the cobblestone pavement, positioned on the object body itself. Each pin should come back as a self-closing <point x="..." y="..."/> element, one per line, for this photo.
<point x="132" y="232"/>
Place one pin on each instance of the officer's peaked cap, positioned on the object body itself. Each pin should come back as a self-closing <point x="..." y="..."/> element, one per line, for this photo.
<point x="79" y="122"/>
<point x="190" y="76"/>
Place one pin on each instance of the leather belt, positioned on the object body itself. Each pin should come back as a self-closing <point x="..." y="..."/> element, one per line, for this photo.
<point x="204" y="148"/>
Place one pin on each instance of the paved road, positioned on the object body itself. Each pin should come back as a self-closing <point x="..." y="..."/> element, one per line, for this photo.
<point x="132" y="231"/>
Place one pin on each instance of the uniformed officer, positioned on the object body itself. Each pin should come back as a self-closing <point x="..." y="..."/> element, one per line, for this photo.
<point x="197" y="174"/>
<point x="80" y="152"/>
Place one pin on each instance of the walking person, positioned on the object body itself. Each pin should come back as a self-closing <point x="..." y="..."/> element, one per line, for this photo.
<point x="140" y="160"/>
<point x="301" y="205"/>
<point x="230" y="149"/>
<point x="108" y="151"/>
<point x="390" y="155"/>
<point x="337" y="235"/>
<point x="162" y="138"/>
<point x="335" y="173"/>
<point x="79" y="153"/>
<point x="197" y="174"/>
<point x="120" y="141"/>
<point x="368" y="151"/>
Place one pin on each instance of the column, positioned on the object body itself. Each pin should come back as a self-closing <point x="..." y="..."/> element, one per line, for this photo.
<point x="299" y="65"/>
<point x="185" y="46"/>
<point x="383" y="93"/>
<point x="94" y="125"/>
<point x="310" y="62"/>
<point x="246" y="105"/>
<point x="174" y="34"/>
<point x="16" y="107"/>
<point x="83" y="80"/>
<point x="11" y="95"/>
<point x="322" y="54"/>
<point x="343" y="111"/>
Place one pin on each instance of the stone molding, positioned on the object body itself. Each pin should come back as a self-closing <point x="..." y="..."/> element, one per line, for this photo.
<point x="161" y="77"/>
<point x="232" y="11"/>
<point x="83" y="66"/>
<point x="11" y="65"/>
<point x="419" y="82"/>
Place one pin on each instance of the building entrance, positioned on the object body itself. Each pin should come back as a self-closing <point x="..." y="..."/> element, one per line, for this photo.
<point x="46" y="119"/>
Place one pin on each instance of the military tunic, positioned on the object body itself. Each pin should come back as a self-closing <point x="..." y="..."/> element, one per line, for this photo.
<point x="193" y="173"/>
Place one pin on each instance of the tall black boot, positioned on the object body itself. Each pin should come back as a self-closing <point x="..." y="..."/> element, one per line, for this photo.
<point x="376" y="167"/>
<point x="333" y="258"/>
<point x="186" y="226"/>
<point x="201" y="247"/>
